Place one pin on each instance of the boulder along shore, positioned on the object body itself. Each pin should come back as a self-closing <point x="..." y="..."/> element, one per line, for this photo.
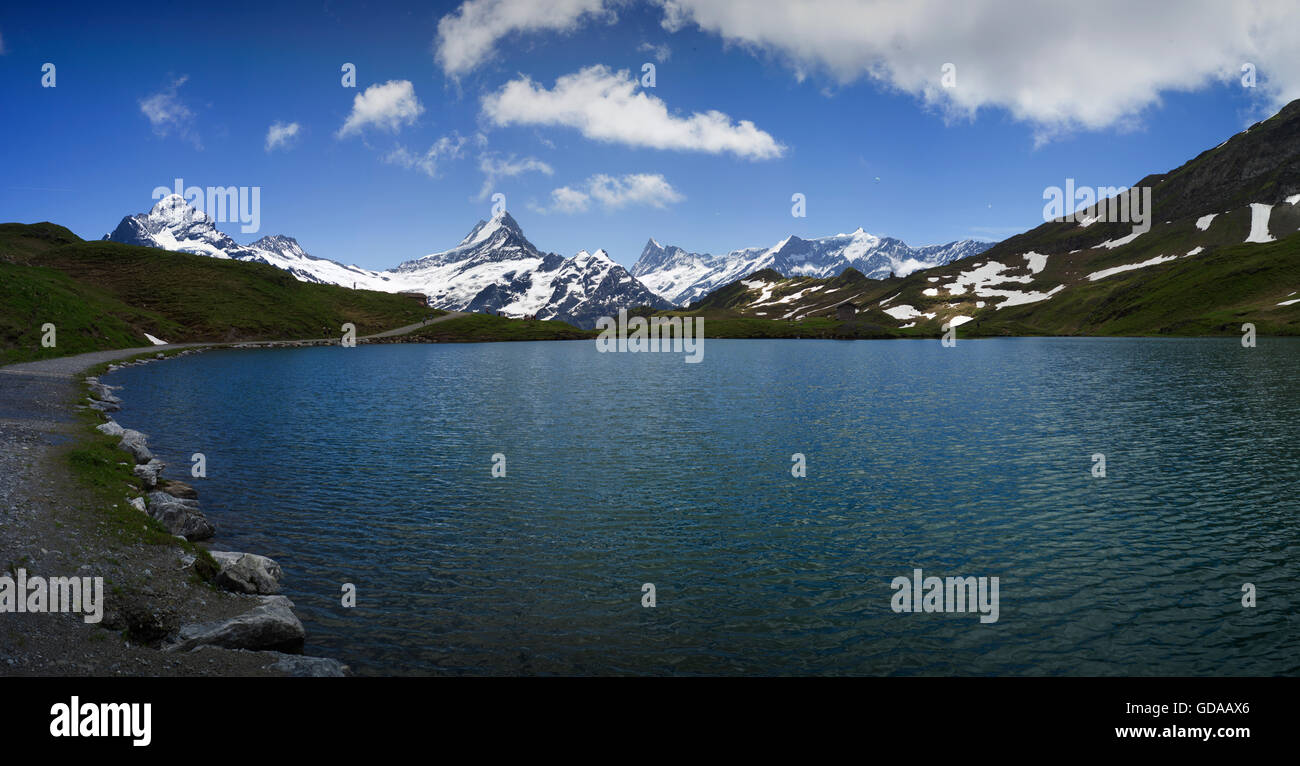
<point x="170" y="607"/>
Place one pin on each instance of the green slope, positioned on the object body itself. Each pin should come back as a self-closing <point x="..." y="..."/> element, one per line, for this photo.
<point x="1184" y="276"/>
<point x="489" y="327"/>
<point x="104" y="295"/>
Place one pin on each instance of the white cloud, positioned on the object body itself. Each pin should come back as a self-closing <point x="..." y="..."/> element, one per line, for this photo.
<point x="567" y="200"/>
<point x="388" y="106"/>
<point x="445" y="148"/>
<point x="281" y="135"/>
<point x="468" y="37"/>
<point x="495" y="168"/>
<point x="169" y="115"/>
<point x="613" y="193"/>
<point x="660" y="52"/>
<point x="608" y="106"/>
<point x="1056" y="65"/>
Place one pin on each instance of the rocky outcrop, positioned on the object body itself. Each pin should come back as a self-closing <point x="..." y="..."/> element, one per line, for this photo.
<point x="149" y="472"/>
<point x="308" y="667"/>
<point x="180" y="517"/>
<point x="135" y="443"/>
<point x="101" y="392"/>
<point x="179" y="489"/>
<point x="247" y="572"/>
<point x="111" y="428"/>
<point x="103" y="406"/>
<point x="269" y="625"/>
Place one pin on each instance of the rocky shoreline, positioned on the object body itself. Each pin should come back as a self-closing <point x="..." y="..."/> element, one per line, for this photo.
<point x="269" y="624"/>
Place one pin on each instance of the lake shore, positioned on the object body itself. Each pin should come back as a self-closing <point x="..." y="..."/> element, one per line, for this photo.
<point x="160" y="617"/>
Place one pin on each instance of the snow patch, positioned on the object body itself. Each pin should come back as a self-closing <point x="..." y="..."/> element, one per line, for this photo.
<point x="1037" y="262"/>
<point x="1094" y="276"/>
<point x="1203" y="222"/>
<point x="1259" y="215"/>
<point x="903" y="311"/>
<point x="1111" y="244"/>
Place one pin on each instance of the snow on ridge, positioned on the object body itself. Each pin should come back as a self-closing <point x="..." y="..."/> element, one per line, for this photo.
<point x="1094" y="276"/>
<point x="1111" y="244"/>
<point x="1203" y="222"/>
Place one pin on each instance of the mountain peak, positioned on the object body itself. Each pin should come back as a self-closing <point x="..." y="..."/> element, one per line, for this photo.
<point x="173" y="209"/>
<point x="583" y="256"/>
<point x="484" y="229"/>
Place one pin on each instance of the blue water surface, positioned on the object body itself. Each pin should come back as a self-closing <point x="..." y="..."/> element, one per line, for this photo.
<point x="373" y="466"/>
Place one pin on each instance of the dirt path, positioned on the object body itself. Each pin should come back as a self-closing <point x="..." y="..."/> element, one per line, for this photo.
<point x="413" y="327"/>
<point x="71" y="366"/>
<point x="50" y="527"/>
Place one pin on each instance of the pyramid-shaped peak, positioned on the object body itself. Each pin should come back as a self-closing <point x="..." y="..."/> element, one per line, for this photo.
<point x="174" y="209"/>
<point x="485" y="229"/>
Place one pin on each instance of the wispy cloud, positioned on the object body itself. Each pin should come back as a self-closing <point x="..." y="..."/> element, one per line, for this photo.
<point x="388" y="106"/>
<point x="169" y="115"/>
<point x="495" y="168"/>
<point x="446" y="148"/>
<point x="607" y="106"/>
<point x="281" y="135"/>
<point x="468" y="38"/>
<point x="612" y="193"/>
<point x="660" y="52"/>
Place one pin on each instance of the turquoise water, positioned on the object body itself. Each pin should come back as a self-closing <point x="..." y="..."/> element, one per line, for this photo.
<point x="372" y="466"/>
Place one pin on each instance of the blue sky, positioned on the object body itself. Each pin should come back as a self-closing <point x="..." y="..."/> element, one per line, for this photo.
<point x="895" y="154"/>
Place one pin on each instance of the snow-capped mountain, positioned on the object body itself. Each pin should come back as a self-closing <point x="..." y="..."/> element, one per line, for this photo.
<point x="682" y="277"/>
<point x="173" y="224"/>
<point x="495" y="268"/>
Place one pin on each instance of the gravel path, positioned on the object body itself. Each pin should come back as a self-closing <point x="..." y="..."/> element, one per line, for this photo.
<point x="413" y="327"/>
<point x="49" y="526"/>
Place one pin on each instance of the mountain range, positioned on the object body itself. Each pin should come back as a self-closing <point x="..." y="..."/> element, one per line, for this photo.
<point x="683" y="277"/>
<point x="496" y="269"/>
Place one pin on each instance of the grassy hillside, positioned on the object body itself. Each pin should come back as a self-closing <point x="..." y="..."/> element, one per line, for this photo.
<point x="1192" y="273"/>
<point x="489" y="327"/>
<point x="104" y="295"/>
<point x="1197" y="281"/>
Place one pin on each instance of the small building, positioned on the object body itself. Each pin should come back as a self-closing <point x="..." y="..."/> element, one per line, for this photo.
<point x="845" y="311"/>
